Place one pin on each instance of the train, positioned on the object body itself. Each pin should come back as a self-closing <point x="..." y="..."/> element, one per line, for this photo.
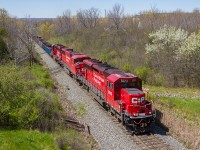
<point x="120" y="93"/>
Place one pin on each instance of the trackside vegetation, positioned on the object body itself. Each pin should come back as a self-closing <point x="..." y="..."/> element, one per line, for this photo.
<point x="31" y="115"/>
<point x="28" y="101"/>
<point x="185" y="101"/>
<point x="26" y="98"/>
<point x="23" y="139"/>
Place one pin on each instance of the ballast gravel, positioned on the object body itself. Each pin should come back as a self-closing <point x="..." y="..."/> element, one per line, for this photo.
<point x="108" y="133"/>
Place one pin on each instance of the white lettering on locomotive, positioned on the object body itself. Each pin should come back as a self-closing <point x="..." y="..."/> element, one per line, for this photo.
<point x="124" y="81"/>
<point x="67" y="59"/>
<point x="110" y="93"/>
<point x="97" y="79"/>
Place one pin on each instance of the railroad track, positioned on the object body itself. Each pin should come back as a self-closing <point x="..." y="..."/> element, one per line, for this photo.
<point x="146" y="141"/>
<point x="149" y="142"/>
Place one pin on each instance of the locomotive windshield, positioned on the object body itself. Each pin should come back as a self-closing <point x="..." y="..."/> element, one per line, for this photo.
<point x="78" y="60"/>
<point x="130" y="84"/>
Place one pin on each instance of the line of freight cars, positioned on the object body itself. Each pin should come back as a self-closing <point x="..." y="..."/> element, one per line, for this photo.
<point x="119" y="92"/>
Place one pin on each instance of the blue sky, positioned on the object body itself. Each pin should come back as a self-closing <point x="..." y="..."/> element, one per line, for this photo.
<point x="53" y="8"/>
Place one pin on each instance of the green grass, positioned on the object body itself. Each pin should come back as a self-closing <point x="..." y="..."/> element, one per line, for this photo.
<point x="26" y="140"/>
<point x="183" y="101"/>
<point x="57" y="40"/>
<point x="80" y="110"/>
<point x="42" y="76"/>
<point x="189" y="108"/>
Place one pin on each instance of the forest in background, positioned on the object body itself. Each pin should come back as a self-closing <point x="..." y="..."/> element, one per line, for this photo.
<point x="162" y="48"/>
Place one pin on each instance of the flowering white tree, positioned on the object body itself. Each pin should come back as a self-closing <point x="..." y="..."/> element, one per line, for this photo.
<point x="162" y="51"/>
<point x="189" y="54"/>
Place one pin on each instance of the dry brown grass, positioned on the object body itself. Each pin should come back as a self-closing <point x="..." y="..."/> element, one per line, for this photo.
<point x="188" y="133"/>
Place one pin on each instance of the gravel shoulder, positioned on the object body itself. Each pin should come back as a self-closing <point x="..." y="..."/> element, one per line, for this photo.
<point x="108" y="134"/>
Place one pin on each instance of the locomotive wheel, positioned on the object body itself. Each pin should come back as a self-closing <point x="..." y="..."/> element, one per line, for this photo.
<point x="111" y="112"/>
<point x="119" y="120"/>
<point x="122" y="119"/>
<point x="70" y="74"/>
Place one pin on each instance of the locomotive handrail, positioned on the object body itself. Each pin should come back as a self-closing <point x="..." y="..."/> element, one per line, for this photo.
<point x="153" y="109"/>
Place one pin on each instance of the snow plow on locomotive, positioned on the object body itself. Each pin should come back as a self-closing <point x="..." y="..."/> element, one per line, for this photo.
<point x="119" y="92"/>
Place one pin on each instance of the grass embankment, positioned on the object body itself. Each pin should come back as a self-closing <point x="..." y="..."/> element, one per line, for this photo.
<point x="34" y="140"/>
<point x="28" y="101"/>
<point x="24" y="140"/>
<point x="179" y="110"/>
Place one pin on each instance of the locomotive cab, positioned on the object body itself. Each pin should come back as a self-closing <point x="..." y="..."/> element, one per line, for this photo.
<point x="125" y="93"/>
<point x="136" y="104"/>
<point x="137" y="110"/>
<point x="77" y="64"/>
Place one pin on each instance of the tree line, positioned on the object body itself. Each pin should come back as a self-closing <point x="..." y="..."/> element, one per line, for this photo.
<point x="152" y="44"/>
<point x="15" y="38"/>
<point x="161" y="47"/>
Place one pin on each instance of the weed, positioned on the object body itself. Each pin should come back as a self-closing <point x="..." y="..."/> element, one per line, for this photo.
<point x="80" y="110"/>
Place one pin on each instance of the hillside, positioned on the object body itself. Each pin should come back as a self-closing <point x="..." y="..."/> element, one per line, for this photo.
<point x="32" y="113"/>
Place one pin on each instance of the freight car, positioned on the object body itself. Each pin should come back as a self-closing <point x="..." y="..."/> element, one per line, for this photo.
<point x="118" y="92"/>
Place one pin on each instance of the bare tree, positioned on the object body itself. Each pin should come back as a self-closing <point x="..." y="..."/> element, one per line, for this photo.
<point x="64" y="23"/>
<point x="3" y="17"/>
<point x="116" y="16"/>
<point x="25" y="36"/>
<point x="88" y="18"/>
<point x="67" y="19"/>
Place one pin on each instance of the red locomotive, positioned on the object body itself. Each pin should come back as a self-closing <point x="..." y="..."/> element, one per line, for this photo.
<point x="119" y="92"/>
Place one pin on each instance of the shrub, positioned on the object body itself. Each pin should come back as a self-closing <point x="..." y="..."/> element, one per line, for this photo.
<point x="80" y="110"/>
<point x="43" y="111"/>
<point x="24" y="101"/>
<point x="127" y="67"/>
<point x="70" y="139"/>
<point x="155" y="79"/>
<point x="143" y="72"/>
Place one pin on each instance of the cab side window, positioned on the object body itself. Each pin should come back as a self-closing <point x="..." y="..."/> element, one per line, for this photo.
<point x="110" y="85"/>
<point x="63" y="52"/>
